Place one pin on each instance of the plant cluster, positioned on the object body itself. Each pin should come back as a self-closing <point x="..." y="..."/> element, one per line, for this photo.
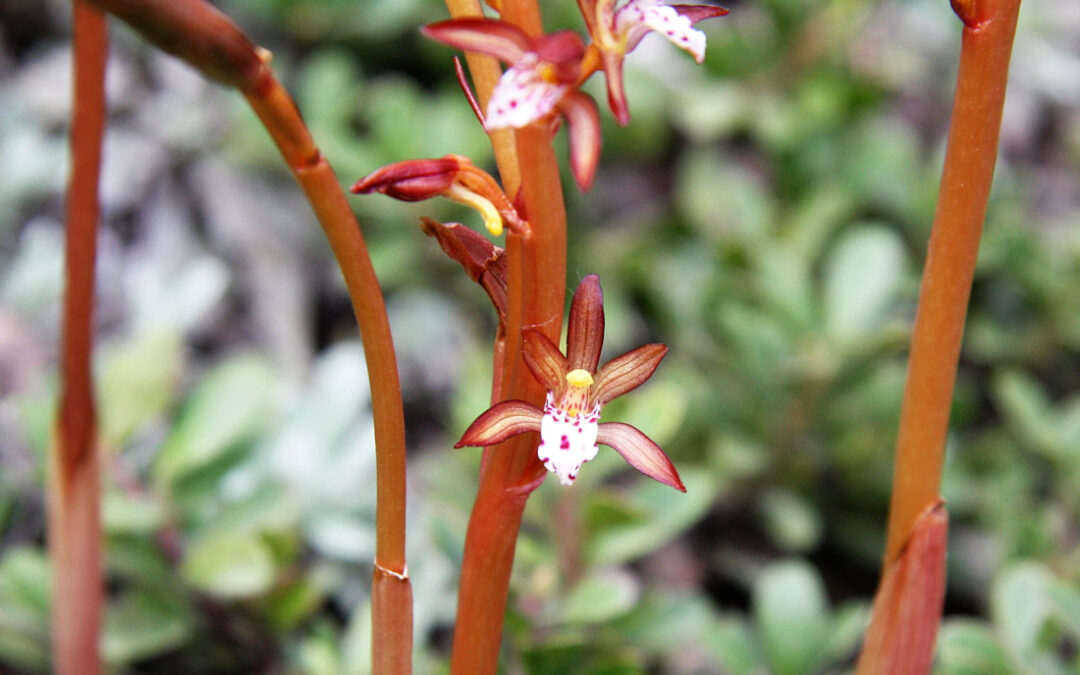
<point x="238" y="515"/>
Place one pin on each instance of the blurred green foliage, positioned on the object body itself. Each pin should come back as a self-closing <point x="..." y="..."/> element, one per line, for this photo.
<point x="765" y="216"/>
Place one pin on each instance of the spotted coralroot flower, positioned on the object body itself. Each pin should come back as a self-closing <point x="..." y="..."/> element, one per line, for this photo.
<point x="453" y="177"/>
<point x="541" y="82"/>
<point x="569" y="425"/>
<point x="617" y="27"/>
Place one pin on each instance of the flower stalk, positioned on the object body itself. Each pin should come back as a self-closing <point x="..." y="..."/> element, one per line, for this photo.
<point x="988" y="30"/>
<point x="200" y="34"/>
<point x="74" y="490"/>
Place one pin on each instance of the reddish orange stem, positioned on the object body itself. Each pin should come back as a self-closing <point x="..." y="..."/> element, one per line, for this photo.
<point x="989" y="26"/>
<point x="200" y="34"/>
<point x="391" y="591"/>
<point x="74" y="466"/>
<point x="536" y="290"/>
<point x="907" y="608"/>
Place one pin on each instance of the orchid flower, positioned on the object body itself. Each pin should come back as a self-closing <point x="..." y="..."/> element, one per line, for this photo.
<point x="569" y="424"/>
<point x="616" y="31"/>
<point x="542" y="80"/>
<point x="453" y="177"/>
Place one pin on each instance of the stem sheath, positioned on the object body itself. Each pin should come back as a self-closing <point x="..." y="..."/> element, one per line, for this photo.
<point x="907" y="608"/>
<point x="74" y="509"/>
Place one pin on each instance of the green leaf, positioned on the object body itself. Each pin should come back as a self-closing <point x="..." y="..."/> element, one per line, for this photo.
<point x="730" y="642"/>
<point x="792" y="521"/>
<point x="24" y="610"/>
<point x="231" y="404"/>
<point x="1027" y="410"/>
<point x="848" y="628"/>
<point x="25" y="579"/>
<point x="137" y="382"/>
<point x="601" y="596"/>
<point x="670" y="514"/>
<point x="229" y="565"/>
<point x="792" y="616"/>
<point x="658" y="409"/>
<point x="128" y="513"/>
<point x="140" y="626"/>
<point x="1019" y="603"/>
<point x="967" y="647"/>
<point x="723" y="201"/>
<point x="862" y="275"/>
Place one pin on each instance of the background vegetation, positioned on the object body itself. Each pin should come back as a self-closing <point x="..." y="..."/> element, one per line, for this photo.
<point x="765" y="216"/>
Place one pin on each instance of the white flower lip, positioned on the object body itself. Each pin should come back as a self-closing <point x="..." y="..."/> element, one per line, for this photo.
<point x="567" y="441"/>
<point x="522" y="96"/>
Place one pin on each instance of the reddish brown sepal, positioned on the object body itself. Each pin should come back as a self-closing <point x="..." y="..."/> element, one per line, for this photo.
<point x="640" y="452"/>
<point x="585" y="328"/>
<point x="484" y="262"/>
<point x="500" y="422"/>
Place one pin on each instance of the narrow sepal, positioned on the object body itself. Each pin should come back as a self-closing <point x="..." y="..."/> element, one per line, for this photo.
<point x="544" y="360"/>
<point x="500" y="422"/>
<point x="700" y="12"/>
<point x="562" y="51"/>
<point x="613" y="74"/>
<point x="640" y="452"/>
<point x="583" y="125"/>
<point x="500" y="39"/>
<point x="484" y="262"/>
<point x="411" y="180"/>
<point x="585" y="329"/>
<point x="625" y="373"/>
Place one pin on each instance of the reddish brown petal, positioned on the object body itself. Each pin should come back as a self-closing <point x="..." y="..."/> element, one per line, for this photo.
<point x="585" y="332"/>
<point x="484" y="262"/>
<point x="500" y="39"/>
<point x="544" y="359"/>
<point x="583" y="124"/>
<point x="700" y="12"/>
<point x="613" y="63"/>
<point x="588" y="12"/>
<point x="625" y="373"/>
<point x="563" y="51"/>
<point x="641" y="453"/>
<point x="412" y="180"/>
<point x="500" y="422"/>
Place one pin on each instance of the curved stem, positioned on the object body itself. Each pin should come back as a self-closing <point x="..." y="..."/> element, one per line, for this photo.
<point x="200" y="34"/>
<point x="74" y="481"/>
<point x="391" y="591"/>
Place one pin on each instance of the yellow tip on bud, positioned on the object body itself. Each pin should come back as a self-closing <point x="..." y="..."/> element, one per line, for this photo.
<point x="493" y="220"/>
<point x="579" y="378"/>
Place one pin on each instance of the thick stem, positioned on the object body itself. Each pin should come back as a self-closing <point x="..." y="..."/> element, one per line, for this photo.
<point x="907" y="607"/>
<point x="536" y="292"/>
<point x="989" y="26"/>
<point x="74" y="482"/>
